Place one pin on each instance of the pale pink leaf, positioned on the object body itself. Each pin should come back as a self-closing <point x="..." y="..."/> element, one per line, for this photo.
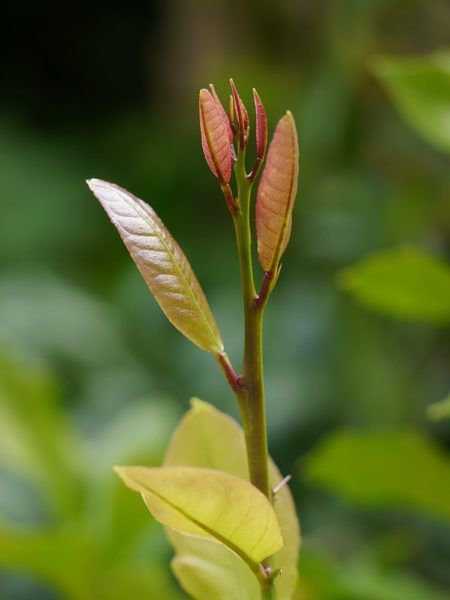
<point x="162" y="264"/>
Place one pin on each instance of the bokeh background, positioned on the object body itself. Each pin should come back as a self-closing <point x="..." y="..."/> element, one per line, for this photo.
<point x="91" y="374"/>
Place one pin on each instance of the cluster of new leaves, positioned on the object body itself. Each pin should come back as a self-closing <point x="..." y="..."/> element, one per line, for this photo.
<point x="278" y="186"/>
<point x="157" y="255"/>
<point x="221" y="526"/>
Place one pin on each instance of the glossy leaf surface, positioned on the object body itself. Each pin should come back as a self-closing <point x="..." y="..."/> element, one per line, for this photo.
<point x="210" y="503"/>
<point x="208" y="438"/>
<point x="215" y="135"/>
<point x="161" y="263"/>
<point x="276" y="194"/>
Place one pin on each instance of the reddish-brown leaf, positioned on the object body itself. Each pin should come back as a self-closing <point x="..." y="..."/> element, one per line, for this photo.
<point x="276" y="194"/>
<point x="223" y="111"/>
<point x="241" y="113"/>
<point x="215" y="132"/>
<point x="261" y="127"/>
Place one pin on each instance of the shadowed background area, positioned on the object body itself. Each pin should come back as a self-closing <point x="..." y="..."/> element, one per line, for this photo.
<point x="91" y="373"/>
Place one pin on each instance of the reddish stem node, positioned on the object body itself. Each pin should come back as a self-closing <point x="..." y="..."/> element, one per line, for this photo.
<point x="265" y="289"/>
<point x="235" y="380"/>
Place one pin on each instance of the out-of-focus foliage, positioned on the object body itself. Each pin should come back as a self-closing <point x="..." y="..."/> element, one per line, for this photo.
<point x="384" y="468"/>
<point x="360" y="579"/>
<point x="64" y="518"/>
<point x="405" y="283"/>
<point x="111" y="92"/>
<point x="420" y="87"/>
<point x="439" y="410"/>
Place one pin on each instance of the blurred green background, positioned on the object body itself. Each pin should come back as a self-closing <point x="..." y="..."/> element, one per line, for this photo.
<point x="92" y="375"/>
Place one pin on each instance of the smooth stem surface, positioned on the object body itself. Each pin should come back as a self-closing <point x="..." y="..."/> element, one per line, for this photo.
<point x="254" y="413"/>
<point x="268" y="593"/>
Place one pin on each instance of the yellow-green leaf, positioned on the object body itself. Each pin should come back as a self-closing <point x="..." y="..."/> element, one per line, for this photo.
<point x="208" y="438"/>
<point x="209" y="503"/>
<point x="162" y="264"/>
<point x="207" y="569"/>
<point x="406" y="283"/>
<point x="276" y="194"/>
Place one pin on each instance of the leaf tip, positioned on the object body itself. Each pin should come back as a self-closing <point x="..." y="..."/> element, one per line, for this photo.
<point x="120" y="471"/>
<point x="91" y="183"/>
<point x="198" y="405"/>
<point x="96" y="184"/>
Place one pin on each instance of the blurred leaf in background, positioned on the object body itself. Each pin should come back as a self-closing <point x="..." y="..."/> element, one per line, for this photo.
<point x="420" y="88"/>
<point x="64" y="519"/>
<point x="440" y="410"/>
<point x="401" y="469"/>
<point x="406" y="283"/>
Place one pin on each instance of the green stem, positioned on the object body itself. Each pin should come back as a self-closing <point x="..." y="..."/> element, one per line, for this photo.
<point x="268" y="593"/>
<point x="254" y="412"/>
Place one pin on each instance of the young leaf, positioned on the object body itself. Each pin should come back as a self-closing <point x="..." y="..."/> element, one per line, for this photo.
<point x="207" y="569"/>
<point x="276" y="194"/>
<point x="223" y="111"/>
<point x="240" y="114"/>
<point x="209" y="503"/>
<point x="215" y="133"/>
<point x="162" y="264"/>
<point x="261" y="127"/>
<point x="208" y="438"/>
<point x="404" y="282"/>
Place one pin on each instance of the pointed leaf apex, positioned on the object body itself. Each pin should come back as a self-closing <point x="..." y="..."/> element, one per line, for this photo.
<point x="241" y="115"/>
<point x="120" y="472"/>
<point x="216" y="134"/>
<point x="93" y="183"/>
<point x="162" y="264"/>
<point x="261" y="127"/>
<point x="198" y="405"/>
<point x="276" y="194"/>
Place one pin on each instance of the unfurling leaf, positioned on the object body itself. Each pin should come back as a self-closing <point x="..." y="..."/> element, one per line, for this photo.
<point x="161" y="263"/>
<point x="208" y="438"/>
<point x="276" y="194"/>
<point x="211" y="504"/>
<point x="261" y="127"/>
<point x="240" y="114"/>
<point x="215" y="133"/>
